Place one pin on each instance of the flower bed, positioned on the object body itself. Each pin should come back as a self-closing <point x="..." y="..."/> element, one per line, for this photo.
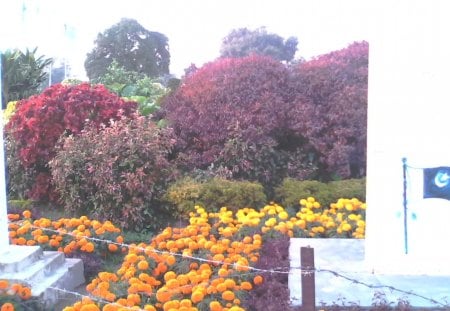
<point x="206" y="265"/>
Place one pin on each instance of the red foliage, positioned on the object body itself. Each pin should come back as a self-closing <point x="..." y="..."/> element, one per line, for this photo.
<point x="40" y="120"/>
<point x="233" y="113"/>
<point x="332" y="93"/>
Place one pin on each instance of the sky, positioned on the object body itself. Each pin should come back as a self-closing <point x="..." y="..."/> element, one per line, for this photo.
<point x="195" y="28"/>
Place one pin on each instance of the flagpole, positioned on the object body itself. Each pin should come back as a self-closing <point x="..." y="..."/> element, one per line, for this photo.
<point x="405" y="206"/>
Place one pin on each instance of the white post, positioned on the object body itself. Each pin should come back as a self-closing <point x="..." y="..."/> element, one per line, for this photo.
<point x="4" y="237"/>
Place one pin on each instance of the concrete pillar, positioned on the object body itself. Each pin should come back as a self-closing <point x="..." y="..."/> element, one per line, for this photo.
<point x="408" y="117"/>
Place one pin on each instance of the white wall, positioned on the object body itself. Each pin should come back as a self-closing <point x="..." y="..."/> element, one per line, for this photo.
<point x="409" y="116"/>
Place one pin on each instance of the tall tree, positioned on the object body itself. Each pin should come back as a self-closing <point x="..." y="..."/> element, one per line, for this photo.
<point x="243" y="42"/>
<point x="133" y="47"/>
<point x="330" y="92"/>
<point x="22" y="74"/>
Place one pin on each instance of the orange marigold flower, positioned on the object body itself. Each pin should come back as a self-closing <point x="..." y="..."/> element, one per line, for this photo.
<point x="246" y="286"/>
<point x="119" y="239"/>
<point x="113" y="248"/>
<point x="26" y="214"/>
<point x="228" y="295"/>
<point x="89" y="247"/>
<point x="257" y="280"/>
<point x="7" y="307"/>
<point x="13" y="216"/>
<point x="142" y="265"/>
<point x="163" y="295"/>
<point x="25" y="293"/>
<point x="171" y="260"/>
<point x="215" y="306"/>
<point x="4" y="284"/>
<point x="197" y="296"/>
<point x="90" y="307"/>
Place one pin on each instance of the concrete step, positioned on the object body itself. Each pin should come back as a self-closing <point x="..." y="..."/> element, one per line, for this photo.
<point x="17" y="258"/>
<point x="61" y="282"/>
<point x="37" y="270"/>
<point x="49" y="274"/>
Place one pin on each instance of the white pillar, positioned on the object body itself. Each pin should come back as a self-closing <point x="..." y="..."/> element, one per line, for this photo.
<point x="4" y="238"/>
<point x="409" y="65"/>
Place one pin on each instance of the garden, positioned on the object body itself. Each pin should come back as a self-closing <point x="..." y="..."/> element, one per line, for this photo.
<point x="182" y="195"/>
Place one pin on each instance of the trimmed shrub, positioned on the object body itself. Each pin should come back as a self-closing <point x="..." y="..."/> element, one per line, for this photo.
<point x="234" y="114"/>
<point x="184" y="195"/>
<point x="39" y="121"/>
<point x="214" y="194"/>
<point x="331" y="93"/>
<point x="116" y="173"/>
<point x="218" y="192"/>
<point x="291" y="191"/>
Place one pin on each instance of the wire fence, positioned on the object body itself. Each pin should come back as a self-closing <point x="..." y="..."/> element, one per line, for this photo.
<point x="305" y="270"/>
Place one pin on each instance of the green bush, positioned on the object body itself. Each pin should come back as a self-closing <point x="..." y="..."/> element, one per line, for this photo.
<point x="218" y="192"/>
<point x="214" y="194"/>
<point x="184" y="195"/>
<point x="116" y="173"/>
<point x="291" y="191"/>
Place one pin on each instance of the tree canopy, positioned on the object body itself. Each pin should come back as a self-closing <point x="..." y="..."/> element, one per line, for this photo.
<point x="22" y="74"/>
<point x="133" y="47"/>
<point x="243" y="42"/>
<point x="331" y="91"/>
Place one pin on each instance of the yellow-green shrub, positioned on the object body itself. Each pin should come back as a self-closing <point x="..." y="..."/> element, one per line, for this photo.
<point x="215" y="193"/>
<point x="291" y="191"/>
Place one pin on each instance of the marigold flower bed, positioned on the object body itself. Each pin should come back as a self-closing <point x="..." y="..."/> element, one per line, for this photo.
<point x="206" y="265"/>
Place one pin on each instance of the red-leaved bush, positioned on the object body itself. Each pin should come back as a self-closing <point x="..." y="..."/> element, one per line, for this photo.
<point x="119" y="172"/>
<point x="331" y="91"/>
<point x="40" y="120"/>
<point x="234" y="114"/>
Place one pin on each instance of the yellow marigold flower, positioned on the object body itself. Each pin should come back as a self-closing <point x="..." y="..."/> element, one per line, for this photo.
<point x="283" y="215"/>
<point x="346" y="227"/>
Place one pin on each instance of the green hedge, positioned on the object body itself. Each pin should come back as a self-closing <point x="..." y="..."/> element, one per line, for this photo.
<point x="214" y="194"/>
<point x="291" y="191"/>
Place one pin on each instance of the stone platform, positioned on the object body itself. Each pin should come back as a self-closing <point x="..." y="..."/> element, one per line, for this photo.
<point x="43" y="271"/>
<point x="346" y="257"/>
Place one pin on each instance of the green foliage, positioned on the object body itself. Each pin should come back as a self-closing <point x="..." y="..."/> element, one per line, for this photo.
<point x="22" y="74"/>
<point x="184" y="195"/>
<point x="244" y="42"/>
<point x="130" y="85"/>
<point x="71" y="81"/>
<point x="291" y="191"/>
<point x="117" y="173"/>
<point x="133" y="47"/>
<point x="213" y="194"/>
